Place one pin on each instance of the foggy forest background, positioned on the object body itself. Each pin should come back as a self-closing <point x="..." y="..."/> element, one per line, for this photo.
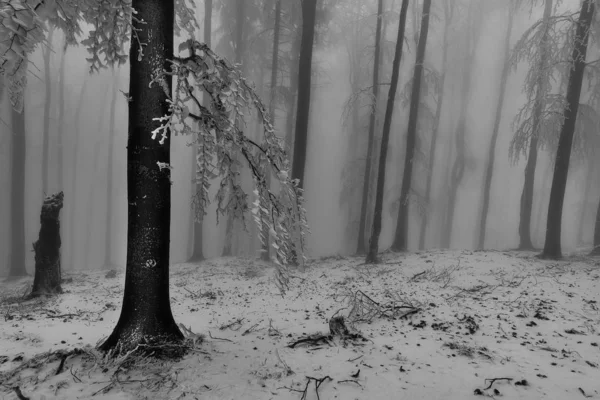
<point x="85" y="116"/>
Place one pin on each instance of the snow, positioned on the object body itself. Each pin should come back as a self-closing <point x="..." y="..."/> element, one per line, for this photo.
<point x="502" y="297"/>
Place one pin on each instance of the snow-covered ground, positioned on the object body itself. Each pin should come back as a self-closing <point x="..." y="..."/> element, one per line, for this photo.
<point x="472" y="317"/>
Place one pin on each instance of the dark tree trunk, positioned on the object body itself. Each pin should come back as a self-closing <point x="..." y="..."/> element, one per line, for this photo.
<point x="198" y="243"/>
<point x="265" y="254"/>
<point x="552" y="246"/>
<point x="292" y="97"/>
<point x="434" y="137"/>
<point x="387" y="124"/>
<point x="309" y="9"/>
<point x="239" y="59"/>
<point x="47" y="101"/>
<point x="589" y="177"/>
<point x="108" y="262"/>
<point x="17" y="195"/>
<point x="61" y="117"/>
<point x="596" y="249"/>
<point x="489" y="169"/>
<point x="146" y="315"/>
<point x="47" y="249"/>
<point x="74" y="174"/>
<point x="528" y="185"/>
<point x="401" y="238"/>
<point x="362" y="227"/>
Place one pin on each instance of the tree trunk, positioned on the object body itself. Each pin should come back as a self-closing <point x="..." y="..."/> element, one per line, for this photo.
<point x="401" y="238"/>
<point x="239" y="59"/>
<point x="589" y="177"/>
<point x="198" y="243"/>
<point x="265" y="254"/>
<point x="108" y="262"/>
<point x="528" y="185"/>
<point x="387" y="124"/>
<point x="47" y="99"/>
<point x="61" y="117"/>
<point x="596" y="249"/>
<point x="436" y="129"/>
<point x="552" y="246"/>
<point x="47" y="248"/>
<point x="309" y="9"/>
<point x="362" y="227"/>
<point x="17" y="195"/>
<point x="146" y="315"/>
<point x="74" y="174"/>
<point x="489" y="169"/>
<point x="292" y="98"/>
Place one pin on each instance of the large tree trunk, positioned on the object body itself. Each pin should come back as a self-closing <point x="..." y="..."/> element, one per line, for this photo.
<point x="309" y="9"/>
<point x="47" y="248"/>
<point x="239" y="59"/>
<point x="552" y="246"/>
<point x="265" y="253"/>
<point x="17" y="195"/>
<point x="61" y="117"/>
<point x="436" y="129"/>
<point x="528" y="185"/>
<point x="146" y="315"/>
<point x="401" y="238"/>
<point x="108" y="262"/>
<point x="387" y="124"/>
<point x="198" y="237"/>
<point x="47" y="100"/>
<point x="489" y="169"/>
<point x="362" y="227"/>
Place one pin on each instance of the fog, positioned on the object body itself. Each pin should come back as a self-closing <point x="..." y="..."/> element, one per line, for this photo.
<point x="84" y="216"/>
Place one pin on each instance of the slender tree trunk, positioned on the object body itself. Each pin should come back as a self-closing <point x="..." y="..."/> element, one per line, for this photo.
<point x="589" y="177"/>
<point x="61" y="117"/>
<point x="362" y="227"/>
<point x="108" y="262"/>
<point x="528" y="185"/>
<point x="292" y="98"/>
<point x="198" y="244"/>
<point x="17" y="195"/>
<point x="74" y="174"/>
<point x="596" y="249"/>
<point x="552" y="246"/>
<point x="309" y="9"/>
<point x="387" y="124"/>
<point x="489" y="169"/>
<point x="47" y="101"/>
<point x="146" y="315"/>
<point x="239" y="59"/>
<point x="436" y="129"/>
<point x="401" y="238"/>
<point x="47" y="248"/>
<point x="265" y="255"/>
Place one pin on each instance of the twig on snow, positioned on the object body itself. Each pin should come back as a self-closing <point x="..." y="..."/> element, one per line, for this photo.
<point x="492" y="380"/>
<point x="217" y="338"/>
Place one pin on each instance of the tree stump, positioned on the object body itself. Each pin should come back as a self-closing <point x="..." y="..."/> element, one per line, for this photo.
<point x="47" y="248"/>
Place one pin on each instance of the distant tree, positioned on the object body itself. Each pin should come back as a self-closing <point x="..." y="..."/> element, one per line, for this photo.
<point x="362" y="228"/>
<point x="17" y="192"/>
<point x="61" y="116"/>
<point x="489" y="168"/>
<point x="47" y="52"/>
<point x="112" y="129"/>
<point x="596" y="248"/>
<point x="401" y="238"/>
<point x="387" y="124"/>
<point x="309" y="8"/>
<point x="552" y="245"/>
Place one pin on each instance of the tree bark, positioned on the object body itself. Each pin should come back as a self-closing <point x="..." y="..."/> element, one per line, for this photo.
<point x="146" y="315"/>
<point x="47" y="101"/>
<point x="528" y="185"/>
<point x="596" y="249"/>
<point x="552" y="245"/>
<point x="589" y="177"/>
<point x="401" y="238"/>
<point x="362" y="227"/>
<point x="108" y="262"/>
<point x="489" y="169"/>
<point x="387" y="124"/>
<point x="436" y="129"/>
<point x="17" y="195"/>
<point x="61" y="117"/>
<point x="198" y="243"/>
<point x="309" y="9"/>
<point x="47" y="249"/>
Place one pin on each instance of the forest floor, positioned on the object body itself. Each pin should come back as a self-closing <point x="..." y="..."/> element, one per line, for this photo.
<point x="432" y="325"/>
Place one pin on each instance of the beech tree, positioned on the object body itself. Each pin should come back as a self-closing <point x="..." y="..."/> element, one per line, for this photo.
<point x="47" y="101"/>
<point x="17" y="194"/>
<point x="154" y="111"/>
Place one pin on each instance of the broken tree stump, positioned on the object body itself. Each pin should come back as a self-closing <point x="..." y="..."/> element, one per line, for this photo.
<point x="47" y="248"/>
